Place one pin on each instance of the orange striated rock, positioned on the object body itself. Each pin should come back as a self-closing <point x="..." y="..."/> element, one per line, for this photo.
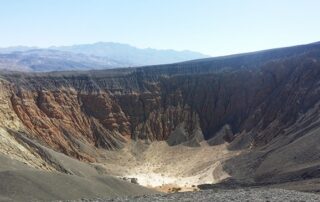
<point x="59" y="118"/>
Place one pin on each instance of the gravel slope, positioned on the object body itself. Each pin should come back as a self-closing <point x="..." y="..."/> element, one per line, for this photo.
<point x="19" y="182"/>
<point x="255" y="194"/>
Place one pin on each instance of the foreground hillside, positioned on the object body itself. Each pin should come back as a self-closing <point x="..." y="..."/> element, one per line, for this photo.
<point x="257" y="195"/>
<point x="20" y="182"/>
<point x="250" y="118"/>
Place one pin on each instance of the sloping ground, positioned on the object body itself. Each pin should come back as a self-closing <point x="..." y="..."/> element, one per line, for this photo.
<point x="254" y="195"/>
<point x="20" y="182"/>
<point x="25" y="185"/>
<point x="294" y="156"/>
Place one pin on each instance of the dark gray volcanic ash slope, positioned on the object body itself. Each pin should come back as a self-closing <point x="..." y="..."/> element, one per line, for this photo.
<point x="20" y="182"/>
<point x="257" y="195"/>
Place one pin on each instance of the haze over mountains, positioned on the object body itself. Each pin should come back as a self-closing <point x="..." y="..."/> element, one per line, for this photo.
<point x="100" y="55"/>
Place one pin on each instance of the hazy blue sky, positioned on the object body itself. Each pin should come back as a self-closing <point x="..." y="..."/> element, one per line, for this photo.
<point x="209" y="26"/>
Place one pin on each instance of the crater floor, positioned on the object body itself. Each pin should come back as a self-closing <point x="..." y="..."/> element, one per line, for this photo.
<point x="164" y="167"/>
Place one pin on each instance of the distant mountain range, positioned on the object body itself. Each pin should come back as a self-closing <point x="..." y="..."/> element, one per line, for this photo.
<point x="102" y="55"/>
<point x="43" y="60"/>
